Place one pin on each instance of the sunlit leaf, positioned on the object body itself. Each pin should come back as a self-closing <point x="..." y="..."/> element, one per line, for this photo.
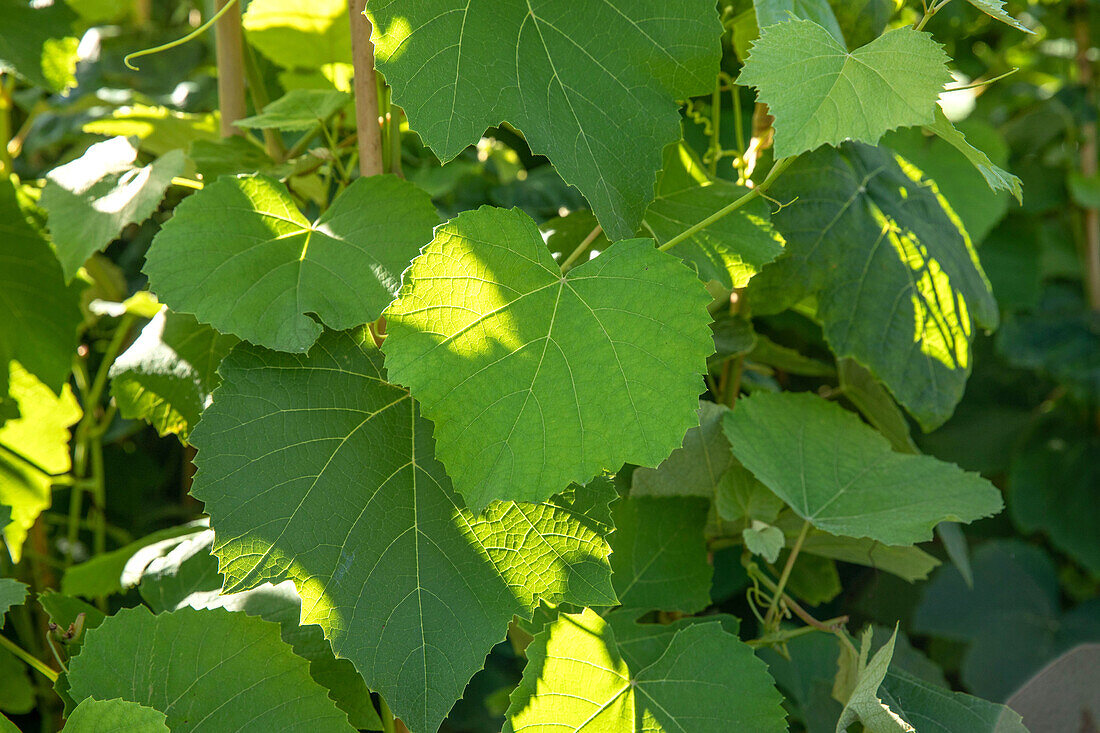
<point x="298" y="109"/>
<point x="294" y="34"/>
<point x="459" y="67"/>
<point x="534" y="379"/>
<point x="159" y="129"/>
<point x="240" y="256"/>
<point x="996" y="9"/>
<point x="411" y="587"/>
<point x="37" y="42"/>
<point x="893" y="81"/>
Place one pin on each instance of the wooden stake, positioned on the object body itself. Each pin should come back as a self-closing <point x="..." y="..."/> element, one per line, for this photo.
<point x="229" y="46"/>
<point x="366" y="93"/>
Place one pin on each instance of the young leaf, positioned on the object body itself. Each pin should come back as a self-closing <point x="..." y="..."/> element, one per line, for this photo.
<point x="461" y="66"/>
<point x="764" y="540"/>
<point x="928" y="707"/>
<point x="410" y="586"/>
<point x="864" y="704"/>
<point x="263" y="266"/>
<point x="659" y="554"/>
<point x="998" y="179"/>
<point x="92" y="199"/>
<point x="168" y="373"/>
<point x="102" y="716"/>
<point x="38" y="313"/>
<point x="996" y="9"/>
<point x="38" y="43"/>
<point x="893" y="81"/>
<point x="899" y="286"/>
<point x="298" y="109"/>
<point x="535" y="379"/>
<point x="613" y="675"/>
<point x="196" y="665"/>
<point x="34" y="447"/>
<point x="842" y="476"/>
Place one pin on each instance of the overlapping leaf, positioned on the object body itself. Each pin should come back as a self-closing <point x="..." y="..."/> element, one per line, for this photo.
<point x="241" y="257"/>
<point x="770" y="12"/>
<point x="314" y="469"/>
<point x="893" y="81"/>
<point x="996" y="9"/>
<point x="38" y="43"/>
<point x="168" y="373"/>
<point x="928" y="707"/>
<point x="296" y="34"/>
<point x="115" y="716"/>
<point x="12" y="593"/>
<point x="842" y="476"/>
<point x="899" y="286"/>
<point x="193" y="666"/>
<point x="534" y="379"/>
<point x="592" y="85"/>
<point x="298" y="109"/>
<point x="612" y="675"/>
<point x="92" y="198"/>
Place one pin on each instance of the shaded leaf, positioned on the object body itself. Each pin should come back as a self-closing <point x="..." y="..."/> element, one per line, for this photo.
<point x="298" y="109"/>
<point x="535" y="379"/>
<point x="458" y="68"/>
<point x="996" y="9"/>
<point x="12" y="593"/>
<point x="115" y="716"/>
<point x="38" y="44"/>
<point x="266" y="266"/>
<point x="770" y="12"/>
<point x="112" y="572"/>
<point x="926" y="706"/>
<point x="873" y="401"/>
<point x="864" y="704"/>
<point x="695" y="468"/>
<point x="995" y="177"/>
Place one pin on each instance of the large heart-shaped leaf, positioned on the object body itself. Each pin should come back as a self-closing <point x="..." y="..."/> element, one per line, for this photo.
<point x="193" y="666"/>
<point x="592" y="85"/>
<point x="241" y="257"/>
<point x="820" y="94"/>
<point x="586" y="673"/>
<point x="899" y="285"/>
<point x="535" y="379"/>
<point x="841" y="475"/>
<point x="314" y="469"/>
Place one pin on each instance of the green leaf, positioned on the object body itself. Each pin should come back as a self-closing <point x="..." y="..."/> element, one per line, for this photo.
<point x="298" y="447"/>
<point x="806" y="676"/>
<point x="16" y="688"/>
<point x="33" y="448"/>
<point x="764" y="540"/>
<point x="841" y="475"/>
<point x="92" y="199"/>
<point x="873" y="401"/>
<point x="862" y="21"/>
<point x="6" y="726"/>
<point x="770" y="12"/>
<point x="928" y="707"/>
<point x="459" y="67"/>
<point x="112" y="572"/>
<point x="612" y="675"/>
<point x="534" y="379"/>
<point x="159" y="129"/>
<point x="996" y="9"/>
<point x="785" y="359"/>
<point x="298" y="109"/>
<point x="38" y="44"/>
<point x="265" y="266"/>
<point x="194" y="667"/>
<point x="893" y="81"/>
<point x="729" y="251"/>
<point x="739" y="497"/>
<point x="899" y="286"/>
<point x="38" y="313"/>
<point x="906" y="562"/>
<point x="864" y="704"/>
<point x="188" y="576"/>
<point x="66" y="611"/>
<point x="995" y="177"/>
<point x="733" y="336"/>
<point x="230" y="156"/>
<point x="168" y="373"/>
<point x="299" y="35"/>
<point x="659" y="554"/>
<point x="12" y="593"/>
<point x="695" y="468"/>
<point x="115" y="716"/>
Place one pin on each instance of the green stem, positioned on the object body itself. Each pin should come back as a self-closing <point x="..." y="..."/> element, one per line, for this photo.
<point x="7" y="83"/>
<point x="337" y="163"/>
<point x="722" y="213"/>
<point x="109" y="356"/>
<point x="32" y="661"/>
<point x="303" y="142"/>
<point x="715" y="151"/>
<point x="787" y="568"/>
<point x="929" y="13"/>
<point x="386" y="714"/>
<point x="128" y="59"/>
<point x="187" y="183"/>
<point x="584" y="245"/>
<point x="273" y="142"/>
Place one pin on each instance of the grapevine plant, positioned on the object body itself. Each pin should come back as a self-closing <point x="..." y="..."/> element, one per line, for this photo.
<point x="570" y="361"/>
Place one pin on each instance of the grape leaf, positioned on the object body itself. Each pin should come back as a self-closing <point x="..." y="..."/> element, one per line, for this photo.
<point x="893" y="81"/>
<point x="91" y="199"/>
<point x="766" y="541"/>
<point x="841" y="475"/>
<point x="535" y="379"/>
<point x="112" y="572"/>
<point x="928" y="707"/>
<point x="864" y="704"/>
<point x="659" y="554"/>
<point x="770" y="12"/>
<point x="696" y="467"/>
<point x="230" y="156"/>
<point x="195" y="666"/>
<point x="294" y="34"/>
<point x="33" y="448"/>
<point x="265" y="266"/>
<point x="996" y="9"/>
<point x="115" y="716"/>
<point x="995" y="177"/>
<point x="168" y="373"/>
<point x="554" y="71"/>
<point x="6" y="726"/>
<point x="899" y="286"/>
<point x="66" y="611"/>
<point x="38" y="313"/>
<point x="872" y="400"/>
<point x="862" y="21"/>
<point x="16" y="688"/>
<point x="160" y="129"/>
<point x="38" y="43"/>
<point x="12" y="593"/>
<point x="588" y="674"/>
<point x="188" y="576"/>
<point x="410" y="586"/>
<point x="298" y="109"/>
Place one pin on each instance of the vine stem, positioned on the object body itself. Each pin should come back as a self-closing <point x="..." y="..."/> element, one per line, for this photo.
<point x="229" y="48"/>
<point x="366" y="91"/>
<point x="7" y="84"/>
<point x="31" y="660"/>
<point x="785" y="576"/>
<point x="722" y="213"/>
<point x="581" y="248"/>
<point x="128" y="58"/>
<point x="929" y="11"/>
<point x="1088" y="153"/>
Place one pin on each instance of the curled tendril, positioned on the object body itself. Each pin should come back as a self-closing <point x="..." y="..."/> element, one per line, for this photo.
<point x="179" y="41"/>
